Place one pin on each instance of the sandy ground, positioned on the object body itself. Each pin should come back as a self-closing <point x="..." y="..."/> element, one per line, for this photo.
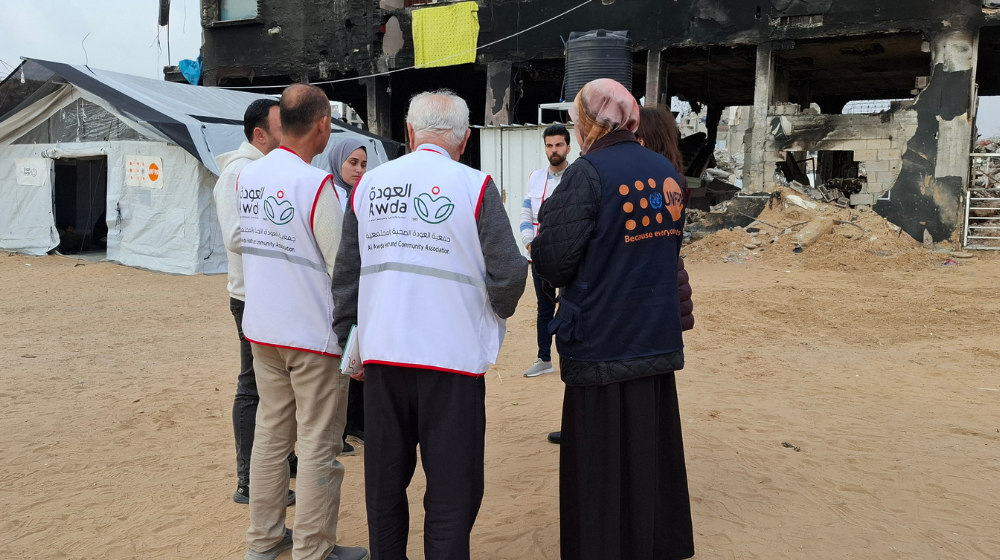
<point x="879" y="371"/>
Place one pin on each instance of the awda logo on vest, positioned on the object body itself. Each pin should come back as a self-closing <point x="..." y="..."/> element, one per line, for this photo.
<point x="278" y="213"/>
<point x="277" y="210"/>
<point x="433" y="210"/>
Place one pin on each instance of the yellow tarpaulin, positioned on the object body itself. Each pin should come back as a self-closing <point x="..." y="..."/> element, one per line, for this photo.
<point x="445" y="36"/>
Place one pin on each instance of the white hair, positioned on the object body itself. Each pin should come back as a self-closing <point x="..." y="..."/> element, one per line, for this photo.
<point x="441" y="113"/>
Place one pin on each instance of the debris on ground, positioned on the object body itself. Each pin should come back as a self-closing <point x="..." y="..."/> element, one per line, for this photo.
<point x="785" y="226"/>
<point x="988" y="145"/>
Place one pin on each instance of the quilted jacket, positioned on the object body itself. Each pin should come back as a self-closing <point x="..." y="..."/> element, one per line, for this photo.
<point x="569" y="218"/>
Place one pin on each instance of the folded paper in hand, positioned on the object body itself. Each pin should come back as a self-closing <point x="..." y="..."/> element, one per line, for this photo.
<point x="350" y="363"/>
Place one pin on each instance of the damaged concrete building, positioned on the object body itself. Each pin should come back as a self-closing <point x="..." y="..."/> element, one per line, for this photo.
<point x="795" y="63"/>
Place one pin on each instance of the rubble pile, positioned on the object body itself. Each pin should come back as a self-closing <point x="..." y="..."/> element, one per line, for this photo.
<point x="988" y="145"/>
<point x="728" y="167"/>
<point x="792" y="224"/>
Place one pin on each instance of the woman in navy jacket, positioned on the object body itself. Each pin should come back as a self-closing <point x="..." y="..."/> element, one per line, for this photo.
<point x="610" y="238"/>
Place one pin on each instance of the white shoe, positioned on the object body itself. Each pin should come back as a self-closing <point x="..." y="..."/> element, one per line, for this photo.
<point x="538" y="368"/>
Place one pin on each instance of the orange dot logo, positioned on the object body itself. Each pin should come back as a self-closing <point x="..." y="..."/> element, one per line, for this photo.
<point x="154" y="172"/>
<point x="652" y="184"/>
<point x="630" y="225"/>
<point x="645" y="220"/>
<point x="623" y="190"/>
<point x="644" y="203"/>
<point x="628" y="207"/>
<point x="659" y="218"/>
<point x="639" y="186"/>
<point x="674" y="198"/>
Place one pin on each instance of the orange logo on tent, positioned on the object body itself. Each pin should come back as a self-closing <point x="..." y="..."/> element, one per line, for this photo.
<point x="154" y="172"/>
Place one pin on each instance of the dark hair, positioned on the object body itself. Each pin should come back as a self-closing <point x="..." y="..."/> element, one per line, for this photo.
<point x="557" y="130"/>
<point x="256" y="116"/>
<point x="658" y="130"/>
<point x="301" y="106"/>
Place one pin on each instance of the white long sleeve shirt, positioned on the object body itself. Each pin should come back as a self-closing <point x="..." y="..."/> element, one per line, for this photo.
<point x="327" y="223"/>
<point x="528" y="217"/>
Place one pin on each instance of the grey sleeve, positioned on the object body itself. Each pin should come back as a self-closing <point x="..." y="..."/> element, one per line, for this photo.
<point x="346" y="276"/>
<point x="506" y="269"/>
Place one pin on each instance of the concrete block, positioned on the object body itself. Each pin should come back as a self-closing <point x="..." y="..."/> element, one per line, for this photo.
<point x="876" y="166"/>
<point x="890" y="155"/>
<point x="865" y="155"/>
<point x="815" y="229"/>
<point x="879" y="144"/>
<point x="852" y="145"/>
<point x="863" y="199"/>
<point x="772" y="156"/>
<point x="883" y="177"/>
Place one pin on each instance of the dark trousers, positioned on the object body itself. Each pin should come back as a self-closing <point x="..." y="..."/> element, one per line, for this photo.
<point x="356" y="410"/>
<point x="245" y="403"/>
<point x="623" y="490"/>
<point x="546" y="311"/>
<point x="445" y="415"/>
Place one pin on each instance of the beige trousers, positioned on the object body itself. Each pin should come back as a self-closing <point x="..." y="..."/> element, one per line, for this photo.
<point x="303" y="396"/>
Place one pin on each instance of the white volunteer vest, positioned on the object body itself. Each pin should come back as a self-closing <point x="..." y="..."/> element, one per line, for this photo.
<point x="422" y="298"/>
<point x="539" y="188"/>
<point x="289" y="301"/>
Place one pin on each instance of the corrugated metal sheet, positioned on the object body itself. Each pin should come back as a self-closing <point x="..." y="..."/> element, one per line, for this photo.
<point x="509" y="154"/>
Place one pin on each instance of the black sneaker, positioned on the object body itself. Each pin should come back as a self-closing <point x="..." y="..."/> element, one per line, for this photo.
<point x="555" y="437"/>
<point x="242" y="496"/>
<point x="348" y="450"/>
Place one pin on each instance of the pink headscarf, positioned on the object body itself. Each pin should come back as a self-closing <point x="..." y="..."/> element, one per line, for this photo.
<point x="602" y="106"/>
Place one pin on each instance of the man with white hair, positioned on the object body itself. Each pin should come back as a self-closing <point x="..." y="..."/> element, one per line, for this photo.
<point x="429" y="270"/>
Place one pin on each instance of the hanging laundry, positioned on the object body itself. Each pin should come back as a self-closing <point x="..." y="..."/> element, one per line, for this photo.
<point x="445" y="36"/>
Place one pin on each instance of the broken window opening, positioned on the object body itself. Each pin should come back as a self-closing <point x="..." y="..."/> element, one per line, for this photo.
<point x="235" y="10"/>
<point x="870" y="107"/>
<point x="988" y="125"/>
<point x="826" y="175"/>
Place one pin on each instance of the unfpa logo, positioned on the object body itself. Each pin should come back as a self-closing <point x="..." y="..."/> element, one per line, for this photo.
<point x="670" y="198"/>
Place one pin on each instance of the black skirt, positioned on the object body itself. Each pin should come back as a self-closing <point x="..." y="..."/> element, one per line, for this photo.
<point x="622" y="482"/>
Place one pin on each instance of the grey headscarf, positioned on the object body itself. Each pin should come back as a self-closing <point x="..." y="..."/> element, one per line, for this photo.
<point x="338" y="155"/>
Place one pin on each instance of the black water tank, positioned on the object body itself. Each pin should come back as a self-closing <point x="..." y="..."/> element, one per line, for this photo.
<point x="597" y="54"/>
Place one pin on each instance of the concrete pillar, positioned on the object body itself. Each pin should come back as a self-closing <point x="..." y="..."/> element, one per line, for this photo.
<point x="755" y="170"/>
<point x="927" y="196"/>
<point x="712" y="120"/>
<point x="956" y="51"/>
<point x="656" y="79"/>
<point x="499" y="90"/>
<point x="379" y="106"/>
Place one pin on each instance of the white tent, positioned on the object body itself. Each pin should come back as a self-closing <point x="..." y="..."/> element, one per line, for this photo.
<point x="78" y="143"/>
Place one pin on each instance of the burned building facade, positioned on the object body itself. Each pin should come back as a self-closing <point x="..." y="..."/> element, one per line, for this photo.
<point x="796" y="63"/>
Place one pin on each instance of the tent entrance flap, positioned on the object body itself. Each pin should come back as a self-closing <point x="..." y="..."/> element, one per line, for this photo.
<point x="79" y="204"/>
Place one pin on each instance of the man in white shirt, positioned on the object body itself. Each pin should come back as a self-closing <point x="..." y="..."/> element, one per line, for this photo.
<point x="541" y="183"/>
<point x="262" y="127"/>
<point x="290" y="222"/>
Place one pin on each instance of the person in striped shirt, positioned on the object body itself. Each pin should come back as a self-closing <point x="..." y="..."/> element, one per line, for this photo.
<point x="541" y="183"/>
